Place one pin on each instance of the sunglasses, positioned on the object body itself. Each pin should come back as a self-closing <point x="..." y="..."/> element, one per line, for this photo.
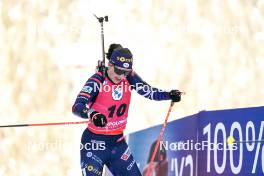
<point x="121" y="72"/>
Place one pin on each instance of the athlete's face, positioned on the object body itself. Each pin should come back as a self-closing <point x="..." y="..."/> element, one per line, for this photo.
<point x="116" y="74"/>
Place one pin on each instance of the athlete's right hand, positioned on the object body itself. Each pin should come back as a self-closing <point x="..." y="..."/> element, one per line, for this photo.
<point x="98" y="119"/>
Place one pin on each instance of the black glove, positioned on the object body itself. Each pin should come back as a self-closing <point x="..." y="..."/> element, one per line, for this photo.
<point x="98" y="119"/>
<point x="175" y="95"/>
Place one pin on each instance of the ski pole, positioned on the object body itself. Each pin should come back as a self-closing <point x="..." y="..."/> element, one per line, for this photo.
<point x="159" y="139"/>
<point x="43" y="124"/>
<point x="231" y="140"/>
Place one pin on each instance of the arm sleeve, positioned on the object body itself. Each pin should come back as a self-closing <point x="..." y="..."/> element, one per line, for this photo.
<point x="145" y="89"/>
<point x="87" y="95"/>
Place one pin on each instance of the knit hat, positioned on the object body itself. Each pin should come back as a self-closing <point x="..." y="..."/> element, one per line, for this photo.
<point x="122" y="57"/>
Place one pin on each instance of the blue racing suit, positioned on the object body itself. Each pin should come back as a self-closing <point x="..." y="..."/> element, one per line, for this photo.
<point x="111" y="150"/>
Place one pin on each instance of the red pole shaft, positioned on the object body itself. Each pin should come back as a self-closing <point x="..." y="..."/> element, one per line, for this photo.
<point x="160" y="137"/>
<point x="44" y="124"/>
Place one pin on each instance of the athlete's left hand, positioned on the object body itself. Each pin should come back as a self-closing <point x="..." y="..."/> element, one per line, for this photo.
<point x="175" y="95"/>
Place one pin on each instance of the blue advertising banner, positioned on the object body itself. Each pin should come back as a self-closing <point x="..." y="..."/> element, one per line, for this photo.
<point x="168" y="160"/>
<point x="197" y="144"/>
<point x="244" y="157"/>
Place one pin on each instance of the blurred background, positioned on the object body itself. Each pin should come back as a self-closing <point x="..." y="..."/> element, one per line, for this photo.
<point x="212" y="50"/>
